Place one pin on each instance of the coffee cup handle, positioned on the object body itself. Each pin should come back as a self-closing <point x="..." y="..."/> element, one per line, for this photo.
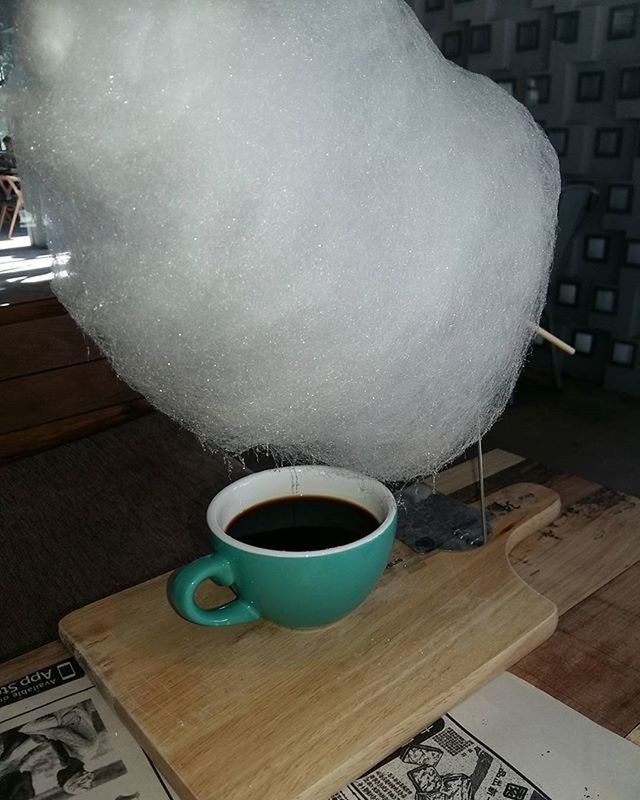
<point x="219" y="570"/>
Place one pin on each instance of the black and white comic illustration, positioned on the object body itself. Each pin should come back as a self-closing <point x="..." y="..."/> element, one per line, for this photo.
<point x="63" y="753"/>
<point x="59" y="739"/>
<point x="443" y="762"/>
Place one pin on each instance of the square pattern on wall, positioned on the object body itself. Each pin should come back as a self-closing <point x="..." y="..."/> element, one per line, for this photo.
<point x="538" y="90"/>
<point x="559" y="138"/>
<point x="633" y="253"/>
<point x="508" y="84"/>
<point x="596" y="248"/>
<point x="566" y="27"/>
<point x="629" y="88"/>
<point x="622" y="22"/>
<point x="590" y="87"/>
<point x="452" y="44"/>
<point x="620" y="198"/>
<point x="575" y="65"/>
<point x="567" y="293"/>
<point x="583" y="341"/>
<point x="480" y="41"/>
<point x="605" y="300"/>
<point x="608" y="142"/>
<point x="528" y="35"/>
<point x="623" y="354"/>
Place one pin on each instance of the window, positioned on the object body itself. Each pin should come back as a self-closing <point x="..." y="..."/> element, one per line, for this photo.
<point x="480" y="39"/>
<point x="508" y="84"/>
<point x="538" y="90"/>
<point x="567" y="293"/>
<point x="596" y="248"/>
<point x="566" y="27"/>
<point x="608" y="142"/>
<point x="605" y="300"/>
<point x="622" y="22"/>
<point x="434" y="5"/>
<point x="633" y="252"/>
<point x="623" y="354"/>
<point x="559" y="138"/>
<point x="619" y="198"/>
<point x="590" y="87"/>
<point x="452" y="44"/>
<point x="583" y="342"/>
<point x="528" y="35"/>
<point x="629" y="83"/>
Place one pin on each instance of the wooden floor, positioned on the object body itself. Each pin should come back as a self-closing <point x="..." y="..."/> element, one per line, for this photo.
<point x="55" y="385"/>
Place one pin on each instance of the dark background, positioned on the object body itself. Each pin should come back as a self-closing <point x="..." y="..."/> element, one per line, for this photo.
<point x="576" y="65"/>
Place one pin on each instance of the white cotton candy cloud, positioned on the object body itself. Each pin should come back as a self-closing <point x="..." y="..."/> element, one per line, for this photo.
<point x="289" y="224"/>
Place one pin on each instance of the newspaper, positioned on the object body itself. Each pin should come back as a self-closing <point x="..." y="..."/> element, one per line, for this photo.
<point x="444" y="761"/>
<point x="509" y="741"/>
<point x="58" y="738"/>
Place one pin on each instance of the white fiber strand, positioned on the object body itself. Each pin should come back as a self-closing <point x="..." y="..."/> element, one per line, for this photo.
<point x="291" y="225"/>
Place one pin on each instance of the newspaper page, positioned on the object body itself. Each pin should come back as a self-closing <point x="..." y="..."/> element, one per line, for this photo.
<point x="509" y="741"/>
<point x="58" y="738"/>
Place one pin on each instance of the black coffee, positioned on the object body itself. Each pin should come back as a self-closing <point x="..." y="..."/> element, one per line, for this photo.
<point x="302" y="523"/>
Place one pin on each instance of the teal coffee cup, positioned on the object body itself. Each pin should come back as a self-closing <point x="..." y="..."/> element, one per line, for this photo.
<point x="295" y="588"/>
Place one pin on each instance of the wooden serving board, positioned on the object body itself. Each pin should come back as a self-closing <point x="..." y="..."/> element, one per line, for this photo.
<point x="261" y="711"/>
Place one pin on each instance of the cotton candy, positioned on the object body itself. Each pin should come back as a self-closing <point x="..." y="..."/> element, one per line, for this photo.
<point x="290" y="225"/>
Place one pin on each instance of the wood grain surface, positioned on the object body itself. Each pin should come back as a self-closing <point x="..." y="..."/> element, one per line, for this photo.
<point x="56" y="432"/>
<point x="588" y="562"/>
<point x="27" y="311"/>
<point x="465" y="474"/>
<point x="29" y="662"/>
<point x="35" y="399"/>
<point x="61" y="345"/>
<point x="596" y="538"/>
<point x="257" y="710"/>
<point x="634" y="736"/>
<point x="54" y="383"/>
<point x="592" y="662"/>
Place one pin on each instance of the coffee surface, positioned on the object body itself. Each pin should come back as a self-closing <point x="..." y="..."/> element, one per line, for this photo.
<point x="302" y="523"/>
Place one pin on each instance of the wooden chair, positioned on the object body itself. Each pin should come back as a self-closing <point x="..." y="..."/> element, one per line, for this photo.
<point x="13" y="202"/>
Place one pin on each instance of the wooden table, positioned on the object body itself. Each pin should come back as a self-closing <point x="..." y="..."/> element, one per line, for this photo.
<point x="312" y="710"/>
<point x="588" y="563"/>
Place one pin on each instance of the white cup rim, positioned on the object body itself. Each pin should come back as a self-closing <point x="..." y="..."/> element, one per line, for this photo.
<point x="383" y="494"/>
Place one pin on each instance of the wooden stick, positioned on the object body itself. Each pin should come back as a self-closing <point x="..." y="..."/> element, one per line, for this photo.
<point x="554" y="340"/>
